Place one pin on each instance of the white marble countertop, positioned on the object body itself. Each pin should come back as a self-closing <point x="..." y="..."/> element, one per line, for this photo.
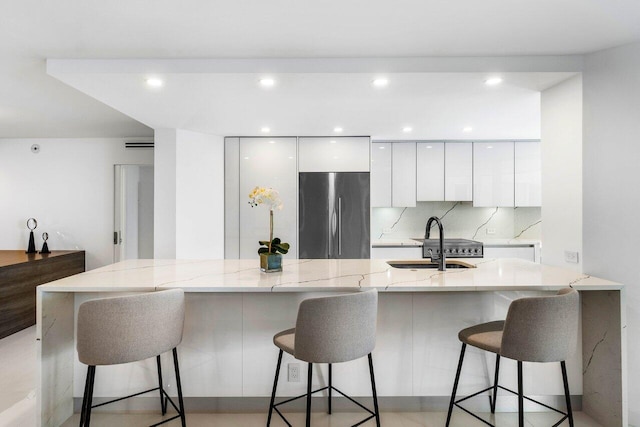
<point x="489" y="243"/>
<point x="322" y="275"/>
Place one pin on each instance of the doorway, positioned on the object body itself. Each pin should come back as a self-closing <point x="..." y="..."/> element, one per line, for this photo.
<point x="133" y="212"/>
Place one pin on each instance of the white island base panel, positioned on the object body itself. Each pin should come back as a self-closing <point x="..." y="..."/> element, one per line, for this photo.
<point x="227" y="350"/>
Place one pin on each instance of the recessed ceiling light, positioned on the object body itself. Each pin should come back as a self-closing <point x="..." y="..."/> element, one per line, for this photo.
<point x="267" y="82"/>
<point x="407" y="129"/>
<point x="272" y="142"/>
<point x="381" y="147"/>
<point x="429" y="146"/>
<point x="290" y="157"/>
<point x="337" y="129"/>
<point x="333" y="142"/>
<point x="489" y="147"/>
<point x="467" y="129"/>
<point x="265" y="130"/>
<point x="380" y="82"/>
<point x="154" y="82"/>
<point x="246" y="158"/>
<point x="492" y="81"/>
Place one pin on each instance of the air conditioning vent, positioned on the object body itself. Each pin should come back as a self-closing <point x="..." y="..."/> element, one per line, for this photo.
<point x="141" y="144"/>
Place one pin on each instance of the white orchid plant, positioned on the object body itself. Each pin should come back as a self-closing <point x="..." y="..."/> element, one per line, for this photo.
<point x="266" y="196"/>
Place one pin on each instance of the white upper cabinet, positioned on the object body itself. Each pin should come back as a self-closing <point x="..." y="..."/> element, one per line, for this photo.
<point x="458" y="171"/>
<point x="268" y="162"/>
<point x="380" y="175"/>
<point x="430" y="171"/>
<point x="333" y="154"/>
<point x="403" y="170"/>
<point x="528" y="174"/>
<point x="493" y="174"/>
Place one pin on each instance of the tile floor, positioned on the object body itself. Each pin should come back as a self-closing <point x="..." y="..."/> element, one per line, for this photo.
<point x="18" y="404"/>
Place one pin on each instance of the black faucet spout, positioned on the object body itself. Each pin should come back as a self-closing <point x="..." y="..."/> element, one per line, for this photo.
<point x="438" y="257"/>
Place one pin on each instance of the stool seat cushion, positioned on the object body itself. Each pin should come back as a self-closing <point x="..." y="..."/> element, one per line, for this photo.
<point x="286" y="340"/>
<point x="486" y="336"/>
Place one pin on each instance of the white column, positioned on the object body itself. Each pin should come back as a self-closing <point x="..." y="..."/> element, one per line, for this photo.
<point x="189" y="195"/>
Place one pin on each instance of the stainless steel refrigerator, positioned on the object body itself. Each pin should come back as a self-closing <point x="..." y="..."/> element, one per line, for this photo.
<point x="334" y="215"/>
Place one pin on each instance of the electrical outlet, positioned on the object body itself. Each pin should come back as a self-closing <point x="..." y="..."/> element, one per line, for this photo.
<point x="491" y="231"/>
<point x="293" y="372"/>
<point x="571" y="257"/>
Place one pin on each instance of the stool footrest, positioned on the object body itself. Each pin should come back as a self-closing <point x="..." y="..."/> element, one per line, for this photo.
<point x="275" y="405"/>
<point x="457" y="404"/>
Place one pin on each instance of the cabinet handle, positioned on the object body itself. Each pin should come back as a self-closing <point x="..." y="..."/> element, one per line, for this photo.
<point x="339" y="225"/>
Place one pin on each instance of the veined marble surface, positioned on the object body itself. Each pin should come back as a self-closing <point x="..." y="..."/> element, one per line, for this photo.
<point x="322" y="275"/>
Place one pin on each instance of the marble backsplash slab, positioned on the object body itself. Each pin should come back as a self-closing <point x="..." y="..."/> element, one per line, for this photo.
<point x="460" y="219"/>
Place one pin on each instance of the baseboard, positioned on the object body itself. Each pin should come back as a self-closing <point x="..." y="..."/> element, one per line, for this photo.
<point x="505" y="403"/>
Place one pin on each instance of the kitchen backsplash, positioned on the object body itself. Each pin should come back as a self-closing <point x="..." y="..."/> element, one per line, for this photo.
<point x="460" y="219"/>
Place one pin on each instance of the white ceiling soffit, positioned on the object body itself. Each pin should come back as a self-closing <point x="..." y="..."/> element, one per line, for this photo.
<point x="434" y="105"/>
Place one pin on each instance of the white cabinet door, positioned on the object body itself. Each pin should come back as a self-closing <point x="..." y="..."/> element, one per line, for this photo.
<point x="430" y="173"/>
<point x="528" y="174"/>
<point x="403" y="181"/>
<point x="334" y="154"/>
<point x="268" y="162"/>
<point x="493" y="165"/>
<point x="380" y="175"/>
<point x="458" y="171"/>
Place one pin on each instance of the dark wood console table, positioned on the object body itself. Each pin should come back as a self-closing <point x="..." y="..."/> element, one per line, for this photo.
<point x="20" y="273"/>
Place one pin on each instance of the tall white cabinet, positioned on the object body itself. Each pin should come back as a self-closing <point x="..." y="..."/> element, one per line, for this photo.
<point x="493" y="174"/>
<point x="528" y="174"/>
<point x="403" y="175"/>
<point x="393" y="174"/>
<point x="458" y="167"/>
<point x="430" y="173"/>
<point x="268" y="162"/>
<point x="380" y="174"/>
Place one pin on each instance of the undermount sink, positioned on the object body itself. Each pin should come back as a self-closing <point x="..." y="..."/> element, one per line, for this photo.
<point x="422" y="264"/>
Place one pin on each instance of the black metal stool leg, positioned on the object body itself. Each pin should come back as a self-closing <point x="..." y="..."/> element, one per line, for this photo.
<point x="275" y="385"/>
<point x="309" y="379"/>
<point x="87" y="416"/>
<point x="330" y="385"/>
<point x="520" y="397"/>
<point x="566" y="392"/>
<point x="179" y="385"/>
<point x="373" y="390"/>
<point x="455" y="384"/>
<point x="84" y="398"/>
<point x="163" y="403"/>
<point x="495" y="385"/>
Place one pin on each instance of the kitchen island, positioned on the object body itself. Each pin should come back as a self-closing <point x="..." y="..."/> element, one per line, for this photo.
<point x="233" y="311"/>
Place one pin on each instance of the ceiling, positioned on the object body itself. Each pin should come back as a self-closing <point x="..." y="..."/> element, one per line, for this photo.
<point x="33" y="104"/>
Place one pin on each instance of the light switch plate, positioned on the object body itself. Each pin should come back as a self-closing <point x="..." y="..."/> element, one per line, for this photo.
<point x="572" y="257"/>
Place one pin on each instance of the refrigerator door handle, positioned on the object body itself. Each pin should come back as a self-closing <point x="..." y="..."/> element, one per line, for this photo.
<point x="339" y="225"/>
<point x="333" y="224"/>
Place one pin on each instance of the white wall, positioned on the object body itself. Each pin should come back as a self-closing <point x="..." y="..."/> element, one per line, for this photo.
<point x="561" y="122"/>
<point x="611" y="159"/>
<point x="68" y="187"/>
<point x="189" y="195"/>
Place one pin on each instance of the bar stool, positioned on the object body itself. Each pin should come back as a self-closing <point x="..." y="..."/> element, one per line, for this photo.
<point x="330" y="330"/>
<point x="537" y="329"/>
<point x="127" y="329"/>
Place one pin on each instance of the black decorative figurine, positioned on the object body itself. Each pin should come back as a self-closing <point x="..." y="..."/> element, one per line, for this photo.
<point x="32" y="224"/>
<point x="45" y="247"/>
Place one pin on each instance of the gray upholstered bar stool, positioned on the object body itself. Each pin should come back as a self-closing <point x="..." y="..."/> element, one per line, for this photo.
<point x="537" y="329"/>
<point x="127" y="329"/>
<point x="330" y="330"/>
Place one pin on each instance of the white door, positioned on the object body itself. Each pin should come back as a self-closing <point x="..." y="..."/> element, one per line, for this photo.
<point x="133" y="212"/>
